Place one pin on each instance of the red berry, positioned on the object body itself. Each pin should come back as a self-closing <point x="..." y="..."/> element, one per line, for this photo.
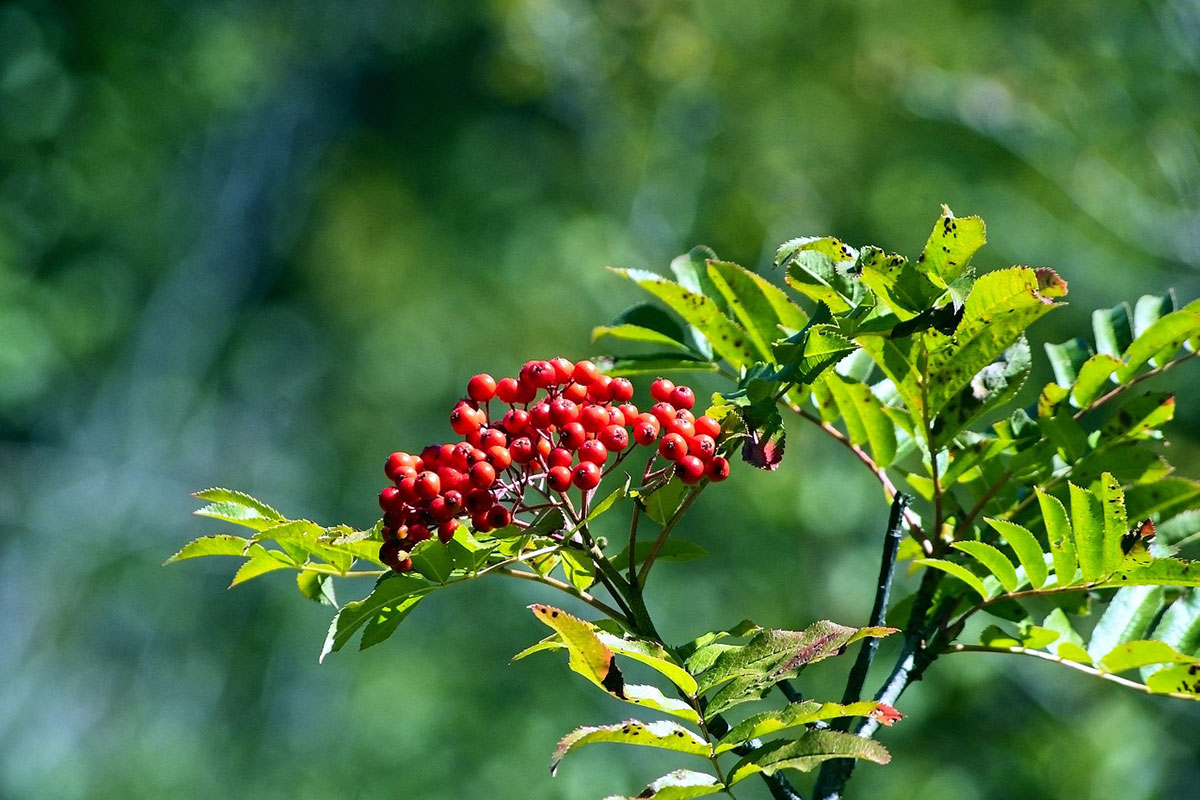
<point x="445" y="531"/>
<point x="594" y="451"/>
<point x="418" y="533"/>
<point x="397" y="463"/>
<point x="672" y="447"/>
<point x="689" y="469"/>
<point x="516" y="421"/>
<point x="430" y="456"/>
<point x="460" y="458"/>
<point x="617" y="417"/>
<point x="585" y="373"/>
<point x="479" y="501"/>
<point x="427" y="485"/>
<point x="492" y="438"/>
<point x="540" y="374"/>
<point x="498" y="516"/>
<point x="508" y="390"/>
<point x="586" y="475"/>
<point x="526" y="392"/>
<point x="480" y="522"/>
<point x="630" y="412"/>
<point x="615" y="438"/>
<point x="622" y="390"/>
<point x="703" y="446"/>
<point x="389" y="553"/>
<point x="482" y="475"/>
<point x="544" y="446"/>
<point x="572" y="436"/>
<point x="499" y="457"/>
<point x="563" y="369"/>
<point x="559" y="457"/>
<point x="575" y="392"/>
<point x="717" y="469"/>
<point x="593" y="418"/>
<point x="681" y="426"/>
<point x="708" y="426"/>
<point x="600" y="389"/>
<point x="682" y="397"/>
<point x="644" y="433"/>
<point x="408" y="488"/>
<point x="559" y="478"/>
<point x="661" y="390"/>
<point x="464" y="419"/>
<point x="663" y="412"/>
<point x="539" y="416"/>
<point x="439" y="510"/>
<point x="448" y="478"/>
<point x="389" y="497"/>
<point x="453" y="500"/>
<point x="481" y="388"/>
<point x="563" y="411"/>
<point x="521" y="450"/>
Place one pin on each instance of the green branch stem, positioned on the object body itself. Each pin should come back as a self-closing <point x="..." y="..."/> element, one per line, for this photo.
<point x="578" y="594"/>
<point x="664" y="534"/>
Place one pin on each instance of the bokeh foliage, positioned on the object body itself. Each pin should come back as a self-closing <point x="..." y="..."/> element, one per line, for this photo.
<point x="264" y="243"/>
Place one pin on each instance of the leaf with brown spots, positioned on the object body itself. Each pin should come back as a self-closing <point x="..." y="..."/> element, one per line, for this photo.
<point x="663" y="734"/>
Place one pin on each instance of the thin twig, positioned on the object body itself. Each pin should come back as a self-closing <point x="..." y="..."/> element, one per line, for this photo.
<point x="663" y="534"/>
<point x="1125" y="386"/>
<point x="592" y="601"/>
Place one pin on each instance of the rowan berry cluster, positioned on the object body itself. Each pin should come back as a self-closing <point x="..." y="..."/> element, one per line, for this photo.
<point x="557" y="425"/>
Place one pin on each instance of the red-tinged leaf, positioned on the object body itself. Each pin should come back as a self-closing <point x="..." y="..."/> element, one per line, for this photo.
<point x="886" y="714"/>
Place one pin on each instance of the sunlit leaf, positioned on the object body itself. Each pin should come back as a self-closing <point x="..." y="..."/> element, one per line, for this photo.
<point x="958" y="571"/>
<point x="1128" y="617"/>
<point x="238" y="508"/>
<point x="807" y="752"/>
<point x="587" y="655"/>
<point x="1142" y="653"/>
<point x="664" y="733"/>
<point x="950" y="246"/>
<point x="993" y="560"/>
<point x="1027" y="548"/>
<point x="391" y="592"/>
<point x="221" y="545"/>
<point x="682" y="784"/>
<point x="802" y="713"/>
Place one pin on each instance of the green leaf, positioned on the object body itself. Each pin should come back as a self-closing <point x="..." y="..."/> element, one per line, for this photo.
<point x="1031" y="637"/>
<point x="1057" y="622"/>
<point x="303" y="539"/>
<point x="317" y="587"/>
<point x="902" y="286"/>
<point x="653" y="364"/>
<point x="1113" y="330"/>
<point x="991" y="387"/>
<point x="1140" y="415"/>
<point x="957" y="570"/>
<point x="610" y="499"/>
<point x="1166" y="335"/>
<point x="993" y="560"/>
<point x="727" y="339"/>
<point x="260" y="562"/>
<point x="672" y="550"/>
<point x="1180" y="625"/>
<point x="794" y="715"/>
<point x="1067" y="359"/>
<point x="1162" y="499"/>
<point x="1149" y="309"/>
<point x="1183" y="679"/>
<point x="578" y="567"/>
<point x="392" y="591"/>
<point x="1142" y="653"/>
<point x="1116" y="525"/>
<point x="662" y="503"/>
<point x="1128" y="617"/>
<point x="238" y="508"/>
<point x="950" y="247"/>
<point x="1027" y="548"/>
<point x="807" y="752"/>
<point x="1159" y="572"/>
<point x="587" y="655"/>
<point x="682" y="784"/>
<point x="1058" y="534"/>
<point x="431" y="558"/>
<point x="866" y="422"/>
<point x="387" y="619"/>
<point x="644" y="322"/>
<point x="1000" y="308"/>
<point x="1087" y="522"/>
<point x="664" y="733"/>
<point x="806" y="355"/>
<point x="1093" y="379"/>
<point x="818" y="269"/>
<point x="746" y="295"/>
<point x="651" y="697"/>
<point x="221" y="545"/>
<point x="652" y="655"/>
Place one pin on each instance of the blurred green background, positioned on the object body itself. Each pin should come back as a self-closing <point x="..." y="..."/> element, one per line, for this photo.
<point x="262" y="244"/>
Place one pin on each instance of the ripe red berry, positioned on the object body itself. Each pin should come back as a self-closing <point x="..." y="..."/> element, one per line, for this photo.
<point x="389" y="553"/>
<point x="492" y="438"/>
<point x="418" y="533"/>
<point x="482" y="475"/>
<point x="460" y="458"/>
<point x="498" y="516"/>
<point x="717" y="469"/>
<point x="682" y="426"/>
<point x="703" y="446"/>
<point x="672" y="447"/>
<point x="593" y="418"/>
<point x="708" y="426"/>
<point x="480" y="522"/>
<point x="453" y="500"/>
<point x="622" y="390"/>
<point x="586" y="475"/>
<point x="682" y="397"/>
<point x="616" y="417"/>
<point x="572" y="436"/>
<point x="539" y="374"/>
<point x="630" y="412"/>
<point x="563" y="369"/>
<point x="539" y="416"/>
<point x="663" y="412"/>
<point x="563" y="411"/>
<point x="499" y="457"/>
<point x="516" y="421"/>
<point x="689" y="469"/>
<point x="575" y="392"/>
<point x="661" y="390"/>
<point x="559" y="457"/>
<point x="508" y="390"/>
<point x="446" y="530"/>
<point x="600" y="389"/>
<point x="645" y="433"/>
<point x="481" y="388"/>
<point x="427" y="485"/>
<point x="408" y="488"/>
<point x="478" y="501"/>
<point x="448" y="478"/>
<point x="390" y="497"/>
<point x="544" y="446"/>
<point x="439" y="510"/>
<point x="526" y="392"/>
<point x="594" y="451"/>
<point x="615" y="438"/>
<point x="464" y="419"/>
<point x="559" y="478"/>
<point x="521" y="450"/>
<point x="430" y="456"/>
<point x="585" y="373"/>
<point x="399" y="464"/>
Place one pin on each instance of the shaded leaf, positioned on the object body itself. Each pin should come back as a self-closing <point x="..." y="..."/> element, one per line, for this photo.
<point x="958" y="571"/>
<point x="1027" y="548"/>
<point x="807" y="752"/>
<point x="317" y="587"/>
<point x="993" y="560"/>
<point x="866" y="421"/>
<point x="1128" y="617"/>
<point x="644" y="322"/>
<point x="390" y="592"/>
<point x="672" y="550"/>
<point x="1142" y="653"/>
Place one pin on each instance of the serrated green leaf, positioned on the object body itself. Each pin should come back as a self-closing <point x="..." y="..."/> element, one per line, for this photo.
<point x="818" y="269"/>
<point x="794" y="715"/>
<point x="390" y="592"/>
<point x="260" y="561"/>
<point x="1162" y="499"/>
<point x="682" y="784"/>
<point x="1128" y="617"/>
<point x="1092" y="380"/>
<point x="745" y="295"/>
<point x="1165" y="335"/>
<point x="1142" y="414"/>
<point x="431" y="558"/>
<point x="652" y="655"/>
<point x="991" y="387"/>
<point x="1057" y="622"/>
<point x="1142" y="653"/>
<point x="653" y="364"/>
<point x="1113" y="330"/>
<point x="384" y="622"/>
<point x="958" y="571"/>
<point x="993" y="560"/>
<point x="1180" y="624"/>
<point x="578" y="567"/>
<point x="317" y="587"/>
<point x="663" y="733"/>
<point x="303" y="539"/>
<point x="651" y="697"/>
<point x="1067" y="359"/>
<point x="1182" y="679"/>
<point x="1032" y="637"/>
<point x="807" y="752"/>
<point x="609" y="500"/>
<point x="900" y="285"/>
<point x="866" y="421"/>
<point x="1087" y="523"/>
<point x="645" y="322"/>
<point x="805" y="355"/>
<point x="662" y="503"/>
<point x="636" y="333"/>
<point x="1026" y="546"/>
<point x="727" y="339"/>
<point x="1060" y="538"/>
<point x="899" y="360"/>
<point x="220" y="545"/>
<point x="950" y="246"/>
<point x="587" y="655"/>
<point x="238" y="508"/>
<point x="1116" y="525"/>
<point x="1159" y="572"/>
